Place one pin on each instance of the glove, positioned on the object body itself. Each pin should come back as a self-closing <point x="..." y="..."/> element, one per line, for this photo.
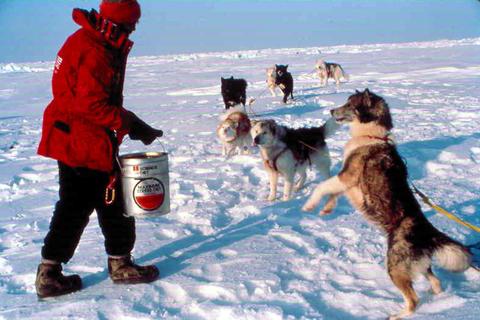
<point x="139" y="130"/>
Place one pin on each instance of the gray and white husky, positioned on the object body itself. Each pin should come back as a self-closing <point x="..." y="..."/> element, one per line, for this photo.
<point x="287" y="152"/>
<point x="330" y="70"/>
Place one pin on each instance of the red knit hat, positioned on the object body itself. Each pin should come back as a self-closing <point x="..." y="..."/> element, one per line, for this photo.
<point x="121" y="11"/>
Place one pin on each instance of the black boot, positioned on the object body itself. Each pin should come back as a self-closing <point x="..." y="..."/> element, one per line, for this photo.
<point x="123" y="270"/>
<point x="51" y="282"/>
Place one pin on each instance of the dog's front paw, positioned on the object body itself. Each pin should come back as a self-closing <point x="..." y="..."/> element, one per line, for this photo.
<point x="308" y="207"/>
<point x="246" y="151"/>
<point x="297" y="188"/>
<point x="286" y="198"/>
<point x="325" y="211"/>
<point x="271" y="198"/>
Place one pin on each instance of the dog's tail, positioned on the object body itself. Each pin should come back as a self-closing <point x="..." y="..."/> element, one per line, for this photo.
<point x="330" y="127"/>
<point x="475" y="251"/>
<point x="345" y="75"/>
<point x="450" y="254"/>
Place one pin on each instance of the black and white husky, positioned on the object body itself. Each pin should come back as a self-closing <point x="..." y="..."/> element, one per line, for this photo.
<point x="287" y="152"/>
<point x="284" y="81"/>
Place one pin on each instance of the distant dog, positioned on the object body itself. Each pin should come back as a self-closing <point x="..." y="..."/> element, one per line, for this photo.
<point x="234" y="92"/>
<point x="375" y="180"/>
<point x="284" y="81"/>
<point x="287" y="152"/>
<point x="328" y="70"/>
<point x="271" y="80"/>
<point x="234" y="133"/>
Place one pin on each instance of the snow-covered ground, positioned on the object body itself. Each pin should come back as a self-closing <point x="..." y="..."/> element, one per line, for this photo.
<point x="224" y="252"/>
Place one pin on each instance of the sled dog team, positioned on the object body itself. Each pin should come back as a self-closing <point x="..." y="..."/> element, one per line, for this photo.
<point x="87" y="110"/>
<point x="374" y="177"/>
<point x="234" y="91"/>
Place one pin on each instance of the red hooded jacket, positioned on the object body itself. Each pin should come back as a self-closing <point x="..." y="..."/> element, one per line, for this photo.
<point x="85" y="122"/>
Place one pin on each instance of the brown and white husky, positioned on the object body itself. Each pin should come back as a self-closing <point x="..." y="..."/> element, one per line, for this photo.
<point x="271" y="80"/>
<point x="234" y="132"/>
<point x="374" y="179"/>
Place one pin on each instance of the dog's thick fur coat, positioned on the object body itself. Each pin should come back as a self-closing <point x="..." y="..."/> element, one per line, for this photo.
<point x="287" y="152"/>
<point x="234" y="132"/>
<point x="234" y="92"/>
<point x="284" y="81"/>
<point x="375" y="180"/>
<point x="330" y="70"/>
<point x="271" y="80"/>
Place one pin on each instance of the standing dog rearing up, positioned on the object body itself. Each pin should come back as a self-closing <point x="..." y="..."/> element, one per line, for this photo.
<point x="287" y="152"/>
<point x="375" y="180"/>
<point x="284" y="81"/>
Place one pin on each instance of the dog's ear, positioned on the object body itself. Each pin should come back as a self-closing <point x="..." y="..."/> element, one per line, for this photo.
<point x="253" y="122"/>
<point x="367" y="101"/>
<point x="223" y="80"/>
<point x="272" y="125"/>
<point x="383" y="114"/>
<point x="286" y="67"/>
<point x="356" y="91"/>
<point x="231" y="77"/>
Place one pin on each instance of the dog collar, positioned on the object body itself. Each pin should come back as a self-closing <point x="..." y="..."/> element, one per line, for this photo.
<point x="385" y="139"/>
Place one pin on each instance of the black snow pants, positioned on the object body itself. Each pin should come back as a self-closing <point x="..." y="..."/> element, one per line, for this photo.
<point x="82" y="190"/>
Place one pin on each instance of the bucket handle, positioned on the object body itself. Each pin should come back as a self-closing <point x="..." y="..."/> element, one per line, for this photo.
<point x="157" y="139"/>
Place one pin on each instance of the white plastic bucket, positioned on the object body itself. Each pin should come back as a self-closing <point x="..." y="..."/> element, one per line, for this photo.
<point x="145" y="184"/>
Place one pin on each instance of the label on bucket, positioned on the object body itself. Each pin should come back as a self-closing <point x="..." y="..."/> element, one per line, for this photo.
<point x="149" y="194"/>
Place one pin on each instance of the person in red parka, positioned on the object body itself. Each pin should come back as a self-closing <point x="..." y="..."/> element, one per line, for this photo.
<point x="83" y="127"/>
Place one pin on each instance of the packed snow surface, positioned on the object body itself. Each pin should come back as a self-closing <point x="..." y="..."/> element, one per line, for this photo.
<point x="224" y="252"/>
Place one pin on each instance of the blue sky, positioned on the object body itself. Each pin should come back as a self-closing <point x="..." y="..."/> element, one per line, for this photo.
<point x="34" y="30"/>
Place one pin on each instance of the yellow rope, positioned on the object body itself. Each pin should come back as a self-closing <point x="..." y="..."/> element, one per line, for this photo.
<point x="449" y="215"/>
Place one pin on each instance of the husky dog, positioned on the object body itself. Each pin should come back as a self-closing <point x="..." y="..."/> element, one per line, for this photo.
<point x="287" y="151"/>
<point x="374" y="179"/>
<point x="234" y="91"/>
<point x="284" y="81"/>
<point x="234" y="132"/>
<point x="328" y="70"/>
<point x="271" y="80"/>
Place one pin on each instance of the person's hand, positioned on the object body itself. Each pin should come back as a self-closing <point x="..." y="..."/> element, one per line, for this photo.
<point x="151" y="135"/>
<point x="139" y="130"/>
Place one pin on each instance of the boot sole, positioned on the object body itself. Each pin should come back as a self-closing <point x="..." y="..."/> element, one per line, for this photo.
<point x="44" y="297"/>
<point x="136" y="281"/>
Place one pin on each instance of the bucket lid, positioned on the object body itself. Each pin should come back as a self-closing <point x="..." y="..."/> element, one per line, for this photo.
<point x="142" y="157"/>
